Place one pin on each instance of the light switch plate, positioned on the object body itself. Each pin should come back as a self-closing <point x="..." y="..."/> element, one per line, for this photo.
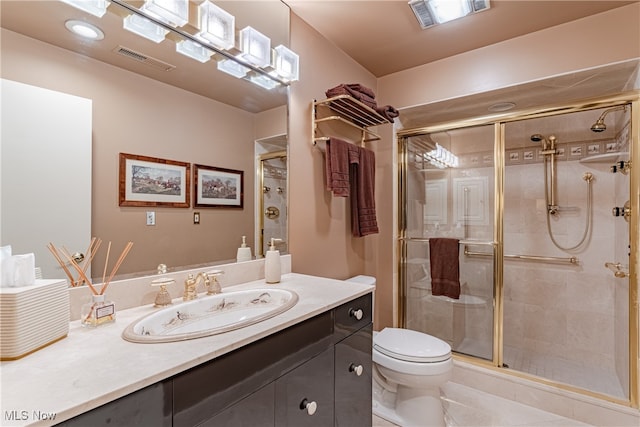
<point x="196" y="217"/>
<point x="151" y="218"/>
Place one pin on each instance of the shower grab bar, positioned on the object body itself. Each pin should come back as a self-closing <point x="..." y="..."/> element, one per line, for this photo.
<point x="571" y="260"/>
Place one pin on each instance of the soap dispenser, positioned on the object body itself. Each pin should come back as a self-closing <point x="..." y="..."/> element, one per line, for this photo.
<point x="244" y="252"/>
<point x="272" y="263"/>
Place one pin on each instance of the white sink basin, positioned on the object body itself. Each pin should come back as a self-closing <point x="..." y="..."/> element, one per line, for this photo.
<point x="210" y="315"/>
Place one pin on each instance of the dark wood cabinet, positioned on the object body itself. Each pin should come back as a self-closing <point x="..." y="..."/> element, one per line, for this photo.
<point x="304" y="397"/>
<point x="353" y="379"/>
<point x="314" y="373"/>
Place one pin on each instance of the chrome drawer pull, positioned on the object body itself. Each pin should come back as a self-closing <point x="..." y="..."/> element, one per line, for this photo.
<point x="356" y="369"/>
<point x="311" y="407"/>
<point x="356" y="313"/>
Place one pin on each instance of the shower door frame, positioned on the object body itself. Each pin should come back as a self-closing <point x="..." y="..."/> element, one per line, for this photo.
<point x="499" y="122"/>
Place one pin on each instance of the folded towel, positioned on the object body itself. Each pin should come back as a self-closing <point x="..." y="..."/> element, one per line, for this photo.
<point x="345" y="88"/>
<point x="363" y="205"/>
<point x="360" y="88"/>
<point x="338" y="155"/>
<point x="388" y="112"/>
<point x="445" y="267"/>
<point x="364" y="97"/>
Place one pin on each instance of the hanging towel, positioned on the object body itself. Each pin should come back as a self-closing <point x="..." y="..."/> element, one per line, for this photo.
<point x="339" y="155"/>
<point x="363" y="205"/>
<point x="445" y="267"/>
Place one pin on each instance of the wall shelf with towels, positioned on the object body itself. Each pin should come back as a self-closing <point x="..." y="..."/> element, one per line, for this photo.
<point x="349" y="111"/>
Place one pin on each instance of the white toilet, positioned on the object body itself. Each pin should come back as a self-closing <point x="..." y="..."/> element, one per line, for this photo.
<point x="408" y="369"/>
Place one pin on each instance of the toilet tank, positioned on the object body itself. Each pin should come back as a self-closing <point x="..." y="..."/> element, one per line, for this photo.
<point x="365" y="280"/>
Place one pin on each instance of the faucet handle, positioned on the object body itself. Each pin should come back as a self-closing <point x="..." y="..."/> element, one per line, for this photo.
<point x="213" y="286"/>
<point x="163" y="298"/>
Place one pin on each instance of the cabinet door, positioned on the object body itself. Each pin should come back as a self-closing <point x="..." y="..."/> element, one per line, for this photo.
<point x="255" y="410"/>
<point x="304" y="396"/>
<point x="353" y="379"/>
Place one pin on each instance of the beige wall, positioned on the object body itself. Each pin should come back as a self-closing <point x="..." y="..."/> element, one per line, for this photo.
<point x="320" y="225"/>
<point x="136" y="115"/>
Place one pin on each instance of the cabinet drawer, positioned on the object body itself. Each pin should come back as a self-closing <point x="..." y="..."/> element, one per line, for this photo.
<point x="352" y="316"/>
<point x="353" y="379"/>
<point x="309" y="384"/>
<point x="255" y="410"/>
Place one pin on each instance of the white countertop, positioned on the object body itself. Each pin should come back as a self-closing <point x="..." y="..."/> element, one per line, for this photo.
<point x="91" y="367"/>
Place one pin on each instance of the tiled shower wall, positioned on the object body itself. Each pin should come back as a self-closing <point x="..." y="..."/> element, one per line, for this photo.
<point x="275" y="178"/>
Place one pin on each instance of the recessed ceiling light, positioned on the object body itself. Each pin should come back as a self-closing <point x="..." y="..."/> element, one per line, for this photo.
<point x="501" y="106"/>
<point x="84" y="29"/>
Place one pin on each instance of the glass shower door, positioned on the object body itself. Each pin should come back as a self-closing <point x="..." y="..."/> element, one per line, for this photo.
<point x="566" y="310"/>
<point x="448" y="192"/>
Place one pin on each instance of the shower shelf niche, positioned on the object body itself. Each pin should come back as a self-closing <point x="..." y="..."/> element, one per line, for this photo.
<point x="349" y="111"/>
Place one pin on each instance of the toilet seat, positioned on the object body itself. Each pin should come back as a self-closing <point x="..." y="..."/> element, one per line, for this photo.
<point x="411" y="346"/>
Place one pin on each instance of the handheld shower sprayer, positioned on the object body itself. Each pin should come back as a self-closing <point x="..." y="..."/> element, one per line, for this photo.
<point x="549" y="153"/>
<point x="599" y="125"/>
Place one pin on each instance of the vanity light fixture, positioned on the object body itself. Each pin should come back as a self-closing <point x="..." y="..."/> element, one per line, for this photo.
<point x="263" y="81"/>
<point x="172" y="12"/>
<point x="194" y="50"/>
<point x="94" y="7"/>
<point x="145" y="28"/>
<point x="84" y="29"/>
<point x="433" y="12"/>
<point x="285" y="63"/>
<point x="442" y="158"/>
<point x="255" y="47"/>
<point x="217" y="26"/>
<point x="253" y="63"/>
<point x="232" y="67"/>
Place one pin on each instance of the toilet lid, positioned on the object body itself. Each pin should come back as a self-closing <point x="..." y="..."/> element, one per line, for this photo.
<point x="412" y="346"/>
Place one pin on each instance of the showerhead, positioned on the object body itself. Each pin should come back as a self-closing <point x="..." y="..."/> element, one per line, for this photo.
<point x="599" y="125"/>
<point x="536" y="137"/>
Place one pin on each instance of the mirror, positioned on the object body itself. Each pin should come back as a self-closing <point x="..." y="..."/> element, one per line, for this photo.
<point x="192" y="113"/>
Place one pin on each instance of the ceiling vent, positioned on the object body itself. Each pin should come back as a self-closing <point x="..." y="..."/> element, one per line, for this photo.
<point x="434" y="12"/>
<point x="144" y="59"/>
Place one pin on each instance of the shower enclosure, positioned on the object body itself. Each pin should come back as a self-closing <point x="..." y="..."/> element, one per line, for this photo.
<point x="541" y="206"/>
<point x="273" y="203"/>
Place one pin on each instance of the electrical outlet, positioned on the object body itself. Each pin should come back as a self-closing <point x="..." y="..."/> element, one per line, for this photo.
<point x="151" y="218"/>
<point x="196" y="217"/>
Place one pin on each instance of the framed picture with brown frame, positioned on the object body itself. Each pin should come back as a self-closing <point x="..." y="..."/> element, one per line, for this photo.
<point x="150" y="181"/>
<point x="217" y="187"/>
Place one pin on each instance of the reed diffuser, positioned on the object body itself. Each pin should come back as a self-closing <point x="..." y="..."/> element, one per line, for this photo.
<point x="99" y="311"/>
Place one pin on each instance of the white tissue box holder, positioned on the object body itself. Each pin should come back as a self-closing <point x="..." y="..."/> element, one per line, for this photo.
<point x="32" y="317"/>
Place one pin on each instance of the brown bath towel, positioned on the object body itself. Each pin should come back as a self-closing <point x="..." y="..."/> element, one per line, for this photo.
<point x="445" y="267"/>
<point x="361" y="93"/>
<point x="338" y="155"/>
<point x="363" y="204"/>
<point x="388" y="112"/>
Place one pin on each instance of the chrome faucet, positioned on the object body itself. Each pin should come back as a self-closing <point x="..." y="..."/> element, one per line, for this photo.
<point x="210" y="280"/>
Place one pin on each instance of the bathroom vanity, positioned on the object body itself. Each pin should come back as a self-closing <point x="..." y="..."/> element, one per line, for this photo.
<point x="308" y="366"/>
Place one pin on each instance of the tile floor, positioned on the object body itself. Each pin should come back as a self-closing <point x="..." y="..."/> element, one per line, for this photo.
<point x="465" y="406"/>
